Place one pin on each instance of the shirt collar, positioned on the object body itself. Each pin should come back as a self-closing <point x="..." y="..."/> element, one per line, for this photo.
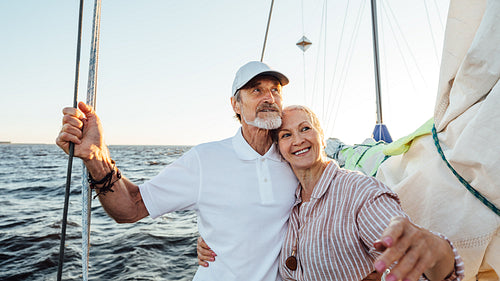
<point x="246" y="152"/>
<point x="323" y="183"/>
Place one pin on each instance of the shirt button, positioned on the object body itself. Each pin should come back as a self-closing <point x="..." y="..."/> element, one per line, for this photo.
<point x="265" y="180"/>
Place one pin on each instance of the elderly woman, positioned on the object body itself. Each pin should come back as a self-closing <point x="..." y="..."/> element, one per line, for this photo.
<point x="345" y="224"/>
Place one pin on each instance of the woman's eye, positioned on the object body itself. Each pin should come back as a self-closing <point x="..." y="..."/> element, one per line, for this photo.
<point x="286" y="135"/>
<point x="305" y="129"/>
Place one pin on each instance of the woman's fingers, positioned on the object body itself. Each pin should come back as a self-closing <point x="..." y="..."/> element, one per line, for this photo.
<point x="204" y="253"/>
<point x="409" y="267"/>
<point x="411" y="249"/>
<point x="392" y="243"/>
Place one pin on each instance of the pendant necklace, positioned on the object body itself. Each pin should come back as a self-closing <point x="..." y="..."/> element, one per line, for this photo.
<point x="291" y="261"/>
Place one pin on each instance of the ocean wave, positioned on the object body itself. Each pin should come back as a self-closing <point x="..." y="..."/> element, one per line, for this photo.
<point x="32" y="183"/>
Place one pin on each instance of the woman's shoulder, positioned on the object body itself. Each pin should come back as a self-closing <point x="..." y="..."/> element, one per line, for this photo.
<point x="359" y="183"/>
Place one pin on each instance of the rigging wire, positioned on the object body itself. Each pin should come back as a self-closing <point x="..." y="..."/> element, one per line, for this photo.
<point x="324" y="60"/>
<point x="407" y="46"/>
<point x="439" y="15"/>
<point x="302" y="12"/>
<point x="337" y="60"/>
<point x="313" y="100"/>
<point x="334" y="100"/>
<point x="71" y="149"/>
<point x="345" y="67"/>
<point x="267" y="30"/>
<point x="303" y="53"/>
<point x="432" y="33"/>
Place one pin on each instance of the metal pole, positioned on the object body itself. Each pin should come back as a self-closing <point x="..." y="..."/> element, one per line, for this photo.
<point x="376" y="61"/>
<point x="91" y="100"/>
<point x="267" y="31"/>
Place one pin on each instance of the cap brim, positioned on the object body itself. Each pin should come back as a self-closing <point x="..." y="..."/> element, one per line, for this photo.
<point x="282" y="78"/>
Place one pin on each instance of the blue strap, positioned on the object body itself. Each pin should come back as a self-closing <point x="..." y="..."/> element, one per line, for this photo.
<point x="474" y="192"/>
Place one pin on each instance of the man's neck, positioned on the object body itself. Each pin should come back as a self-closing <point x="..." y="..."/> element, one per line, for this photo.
<point x="259" y="139"/>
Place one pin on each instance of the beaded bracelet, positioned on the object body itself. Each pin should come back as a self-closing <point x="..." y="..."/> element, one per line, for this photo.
<point x="106" y="181"/>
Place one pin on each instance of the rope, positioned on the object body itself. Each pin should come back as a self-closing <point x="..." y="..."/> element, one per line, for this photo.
<point x="267" y="30"/>
<point x="91" y="100"/>
<point x="71" y="150"/>
<point x="474" y="192"/>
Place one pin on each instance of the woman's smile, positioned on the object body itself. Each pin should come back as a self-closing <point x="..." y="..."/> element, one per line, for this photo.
<point x="301" y="152"/>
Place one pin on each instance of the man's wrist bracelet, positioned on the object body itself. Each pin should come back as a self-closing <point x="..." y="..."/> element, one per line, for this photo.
<point x="106" y="181"/>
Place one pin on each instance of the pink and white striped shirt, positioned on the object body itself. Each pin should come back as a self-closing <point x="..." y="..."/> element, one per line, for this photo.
<point x="334" y="232"/>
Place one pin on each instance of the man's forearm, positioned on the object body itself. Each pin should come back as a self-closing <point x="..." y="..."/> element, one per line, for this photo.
<point x="123" y="202"/>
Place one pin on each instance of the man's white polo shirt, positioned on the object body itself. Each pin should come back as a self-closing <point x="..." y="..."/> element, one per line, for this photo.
<point x="242" y="199"/>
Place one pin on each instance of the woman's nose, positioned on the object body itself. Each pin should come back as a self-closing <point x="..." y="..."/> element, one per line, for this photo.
<point x="297" y="139"/>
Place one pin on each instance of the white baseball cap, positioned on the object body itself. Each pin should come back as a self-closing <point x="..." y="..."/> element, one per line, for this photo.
<point x="252" y="69"/>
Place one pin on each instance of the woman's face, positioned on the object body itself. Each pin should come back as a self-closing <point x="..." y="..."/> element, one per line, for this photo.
<point x="300" y="143"/>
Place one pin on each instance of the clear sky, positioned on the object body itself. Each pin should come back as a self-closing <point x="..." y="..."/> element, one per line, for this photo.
<point x="166" y="67"/>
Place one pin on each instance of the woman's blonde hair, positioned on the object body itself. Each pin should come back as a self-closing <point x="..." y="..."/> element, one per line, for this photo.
<point x="314" y="120"/>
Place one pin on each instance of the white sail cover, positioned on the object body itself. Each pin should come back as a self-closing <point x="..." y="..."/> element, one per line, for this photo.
<point x="467" y="119"/>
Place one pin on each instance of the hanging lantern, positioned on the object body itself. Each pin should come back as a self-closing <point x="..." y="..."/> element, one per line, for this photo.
<point x="304" y="43"/>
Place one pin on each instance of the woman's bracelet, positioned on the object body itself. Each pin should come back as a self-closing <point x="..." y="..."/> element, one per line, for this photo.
<point x="106" y="181"/>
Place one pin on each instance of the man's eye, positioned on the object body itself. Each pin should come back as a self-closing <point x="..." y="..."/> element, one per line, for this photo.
<point x="255" y="90"/>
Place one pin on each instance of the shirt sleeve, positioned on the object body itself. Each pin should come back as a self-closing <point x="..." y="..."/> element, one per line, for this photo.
<point x="175" y="188"/>
<point x="374" y="217"/>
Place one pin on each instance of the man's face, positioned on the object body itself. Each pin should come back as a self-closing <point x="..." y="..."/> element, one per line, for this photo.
<point x="260" y="103"/>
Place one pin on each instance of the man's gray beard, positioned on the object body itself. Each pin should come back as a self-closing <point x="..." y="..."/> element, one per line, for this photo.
<point x="266" y="124"/>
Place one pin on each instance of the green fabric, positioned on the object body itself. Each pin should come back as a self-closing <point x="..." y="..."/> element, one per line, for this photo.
<point x="365" y="158"/>
<point x="368" y="157"/>
<point x="403" y="144"/>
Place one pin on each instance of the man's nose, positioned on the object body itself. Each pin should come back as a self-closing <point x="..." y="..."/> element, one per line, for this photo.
<point x="268" y="96"/>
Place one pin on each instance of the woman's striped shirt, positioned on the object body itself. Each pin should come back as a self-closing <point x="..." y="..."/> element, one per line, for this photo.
<point x="334" y="232"/>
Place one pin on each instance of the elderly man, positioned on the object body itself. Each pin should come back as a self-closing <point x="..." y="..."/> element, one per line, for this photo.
<point x="240" y="188"/>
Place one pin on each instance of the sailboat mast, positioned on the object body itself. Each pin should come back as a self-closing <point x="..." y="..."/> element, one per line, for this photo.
<point x="376" y="61"/>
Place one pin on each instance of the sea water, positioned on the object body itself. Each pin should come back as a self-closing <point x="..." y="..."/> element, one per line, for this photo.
<point x="32" y="183"/>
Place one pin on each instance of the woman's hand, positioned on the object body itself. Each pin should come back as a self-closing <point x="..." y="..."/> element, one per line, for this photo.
<point x="416" y="251"/>
<point x="204" y="253"/>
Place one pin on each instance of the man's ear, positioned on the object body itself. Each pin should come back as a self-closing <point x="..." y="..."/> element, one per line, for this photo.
<point x="236" y="105"/>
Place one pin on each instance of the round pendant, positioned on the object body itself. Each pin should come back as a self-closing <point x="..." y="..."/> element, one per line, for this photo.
<point x="291" y="263"/>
